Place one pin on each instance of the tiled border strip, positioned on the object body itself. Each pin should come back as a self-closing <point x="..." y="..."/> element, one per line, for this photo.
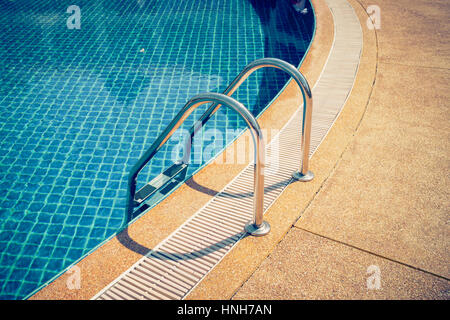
<point x="173" y="268"/>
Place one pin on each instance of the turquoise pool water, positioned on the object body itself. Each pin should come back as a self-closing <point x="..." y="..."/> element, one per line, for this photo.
<point x="79" y="106"/>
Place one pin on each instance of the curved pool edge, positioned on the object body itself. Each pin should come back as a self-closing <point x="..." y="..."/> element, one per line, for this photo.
<point x="113" y="257"/>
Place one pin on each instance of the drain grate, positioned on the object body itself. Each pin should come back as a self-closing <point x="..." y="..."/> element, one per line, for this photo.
<point x="173" y="268"/>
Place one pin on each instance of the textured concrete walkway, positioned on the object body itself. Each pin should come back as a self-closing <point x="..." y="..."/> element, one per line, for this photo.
<point x="383" y="212"/>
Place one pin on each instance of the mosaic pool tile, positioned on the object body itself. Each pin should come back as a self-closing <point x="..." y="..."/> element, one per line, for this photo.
<point x="79" y="106"/>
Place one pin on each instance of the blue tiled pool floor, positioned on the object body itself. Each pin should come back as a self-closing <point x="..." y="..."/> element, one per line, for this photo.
<point x="79" y="106"/>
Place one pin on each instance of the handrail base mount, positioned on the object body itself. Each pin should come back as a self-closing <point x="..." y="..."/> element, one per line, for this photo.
<point x="257" y="231"/>
<point x="303" y="177"/>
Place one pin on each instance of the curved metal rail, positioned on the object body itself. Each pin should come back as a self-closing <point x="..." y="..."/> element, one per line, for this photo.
<point x="303" y="174"/>
<point x="257" y="227"/>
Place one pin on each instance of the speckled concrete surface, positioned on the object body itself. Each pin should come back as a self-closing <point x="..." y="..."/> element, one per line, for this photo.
<point x="113" y="258"/>
<point x="307" y="266"/>
<point x="390" y="193"/>
<point x="413" y="33"/>
<point x="386" y="201"/>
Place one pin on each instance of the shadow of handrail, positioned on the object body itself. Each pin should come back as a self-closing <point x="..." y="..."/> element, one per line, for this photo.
<point x="125" y="239"/>
<point x="196" y="186"/>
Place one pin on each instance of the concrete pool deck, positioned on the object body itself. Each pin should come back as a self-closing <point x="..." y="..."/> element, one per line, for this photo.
<point x="368" y="204"/>
<point x="386" y="202"/>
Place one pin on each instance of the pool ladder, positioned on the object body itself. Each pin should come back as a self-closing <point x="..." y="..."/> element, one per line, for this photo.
<point x="256" y="227"/>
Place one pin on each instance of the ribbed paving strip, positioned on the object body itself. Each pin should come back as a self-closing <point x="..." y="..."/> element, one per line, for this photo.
<point x="176" y="265"/>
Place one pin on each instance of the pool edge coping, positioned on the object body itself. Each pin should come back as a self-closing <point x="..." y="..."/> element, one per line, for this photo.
<point x="88" y="264"/>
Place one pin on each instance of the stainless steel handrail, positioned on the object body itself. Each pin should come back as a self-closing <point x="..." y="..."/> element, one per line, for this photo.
<point x="257" y="227"/>
<point x="303" y="174"/>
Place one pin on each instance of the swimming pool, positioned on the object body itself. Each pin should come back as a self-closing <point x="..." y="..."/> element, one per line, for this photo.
<point x="79" y="106"/>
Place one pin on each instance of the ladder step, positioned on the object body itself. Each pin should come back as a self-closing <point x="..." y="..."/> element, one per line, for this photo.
<point x="160" y="181"/>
